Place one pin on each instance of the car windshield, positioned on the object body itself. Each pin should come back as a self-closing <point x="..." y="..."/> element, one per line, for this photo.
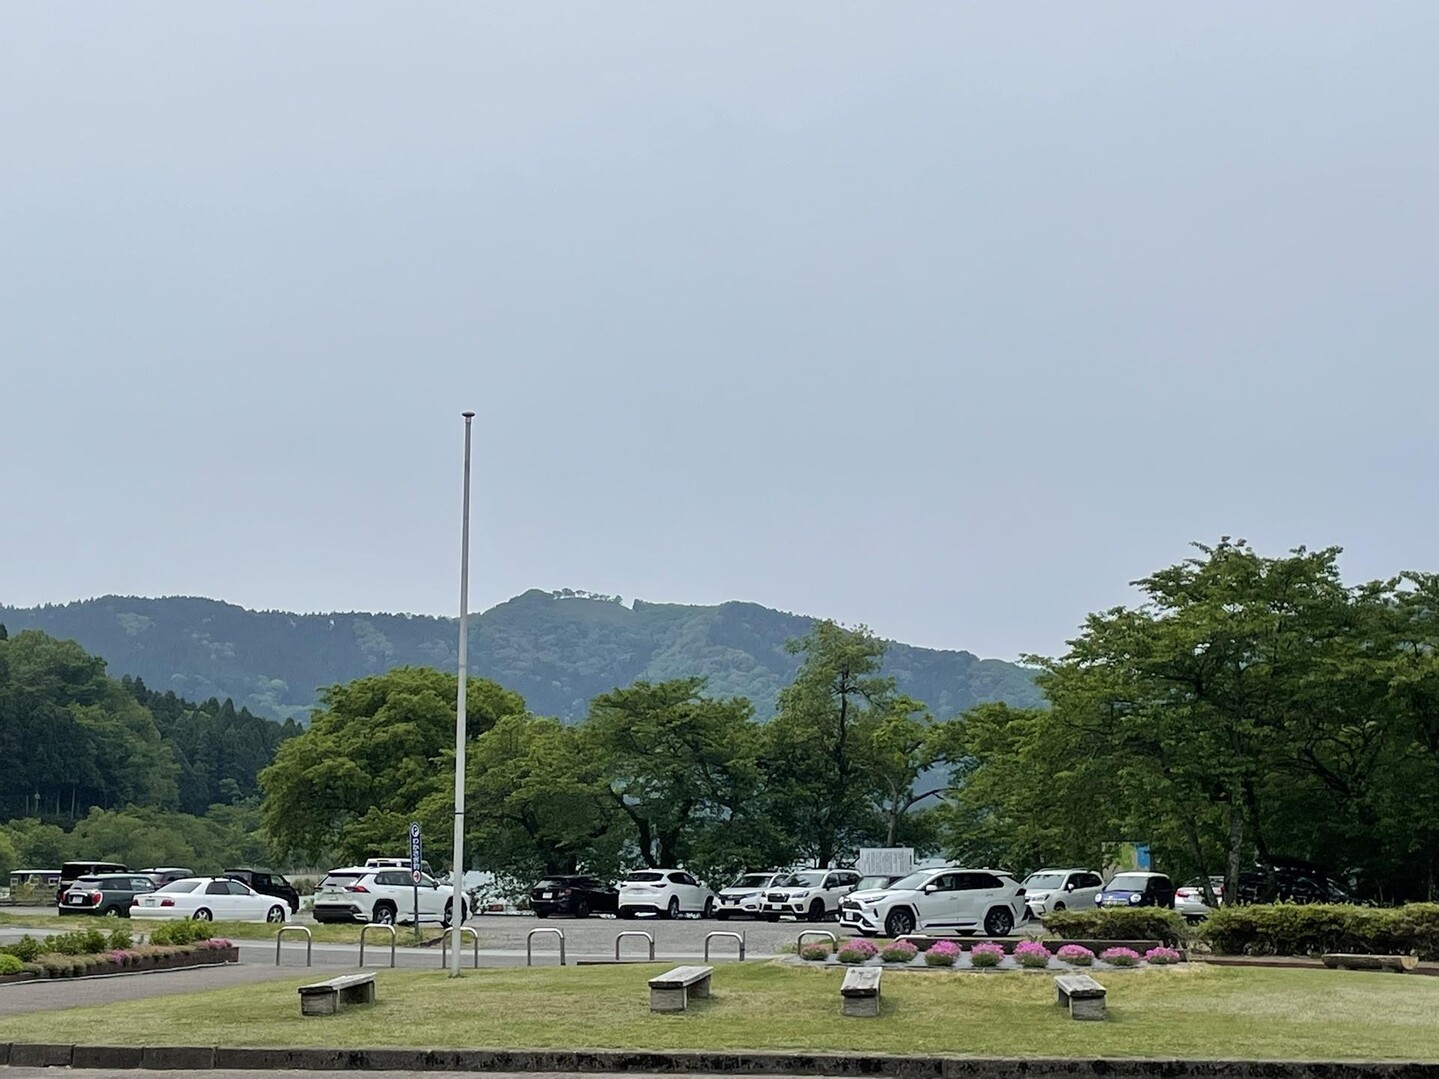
<point x="180" y="886"/>
<point x="1044" y="880"/>
<point x="642" y="877"/>
<point x="1128" y="882"/>
<point x="339" y="880"/>
<point x="752" y="880"/>
<point x="914" y="882"/>
<point x="870" y="884"/>
<point x="803" y="880"/>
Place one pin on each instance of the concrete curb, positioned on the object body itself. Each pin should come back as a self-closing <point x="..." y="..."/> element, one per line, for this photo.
<point x="839" y="1065"/>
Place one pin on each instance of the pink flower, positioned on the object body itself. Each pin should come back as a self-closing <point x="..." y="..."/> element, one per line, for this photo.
<point x="1162" y="956"/>
<point x="1076" y="955"/>
<point x="986" y="955"/>
<point x="1120" y="957"/>
<point x="1031" y="953"/>
<point x="944" y="947"/>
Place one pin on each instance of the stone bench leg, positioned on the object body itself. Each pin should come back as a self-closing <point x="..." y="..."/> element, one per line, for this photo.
<point x="1087" y="1008"/>
<point x="668" y="1000"/>
<point x="701" y="989"/>
<point x="860" y="1007"/>
<point x="358" y="994"/>
<point x="320" y="1003"/>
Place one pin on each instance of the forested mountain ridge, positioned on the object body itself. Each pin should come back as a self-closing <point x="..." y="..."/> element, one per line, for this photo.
<point x="558" y="650"/>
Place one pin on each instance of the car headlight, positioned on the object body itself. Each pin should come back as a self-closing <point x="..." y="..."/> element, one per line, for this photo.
<point x="1134" y="900"/>
<point x="799" y="895"/>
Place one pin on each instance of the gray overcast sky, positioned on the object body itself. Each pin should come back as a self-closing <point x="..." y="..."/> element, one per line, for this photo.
<point x="946" y="318"/>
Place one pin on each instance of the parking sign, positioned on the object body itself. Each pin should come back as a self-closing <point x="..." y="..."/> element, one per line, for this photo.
<point x="415" y="851"/>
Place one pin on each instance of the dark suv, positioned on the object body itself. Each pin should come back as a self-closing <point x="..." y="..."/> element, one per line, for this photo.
<point x="107" y="894"/>
<point x="267" y="883"/>
<point x="570" y="894"/>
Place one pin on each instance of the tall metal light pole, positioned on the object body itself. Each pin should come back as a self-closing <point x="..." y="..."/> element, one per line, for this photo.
<point x="458" y="873"/>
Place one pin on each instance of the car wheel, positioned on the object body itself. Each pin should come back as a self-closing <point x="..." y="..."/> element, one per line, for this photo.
<point x="999" y="922"/>
<point x="203" y="915"/>
<point x="673" y="910"/>
<point x="384" y="914"/>
<point x="900" y="922"/>
<point x="582" y="909"/>
<point x="816" y="911"/>
<point x="709" y="911"/>
<point x="112" y="912"/>
<point x="449" y="917"/>
<point x="542" y="914"/>
<point x="1058" y="907"/>
<point x="722" y="915"/>
<point x="275" y="914"/>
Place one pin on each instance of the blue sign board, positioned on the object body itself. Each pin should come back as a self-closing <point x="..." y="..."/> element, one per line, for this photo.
<point x="416" y="851"/>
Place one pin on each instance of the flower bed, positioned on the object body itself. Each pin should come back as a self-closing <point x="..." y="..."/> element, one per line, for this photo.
<point x="91" y="952"/>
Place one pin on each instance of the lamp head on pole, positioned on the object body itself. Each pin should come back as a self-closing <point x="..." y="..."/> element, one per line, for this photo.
<point x="468" y="415"/>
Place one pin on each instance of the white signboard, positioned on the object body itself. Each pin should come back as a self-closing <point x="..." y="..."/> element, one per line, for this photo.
<point x="892" y="861"/>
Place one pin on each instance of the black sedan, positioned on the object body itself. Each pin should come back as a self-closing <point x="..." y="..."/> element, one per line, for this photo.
<point x="107" y="894"/>
<point x="576" y="895"/>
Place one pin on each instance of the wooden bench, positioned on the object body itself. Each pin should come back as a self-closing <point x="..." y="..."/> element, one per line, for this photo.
<point x="326" y="998"/>
<point x="859" y="995"/>
<point x="1399" y="964"/>
<point x="672" y="990"/>
<point x="1081" y="994"/>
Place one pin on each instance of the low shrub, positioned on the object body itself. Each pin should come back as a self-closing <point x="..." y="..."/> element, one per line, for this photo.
<point x="1313" y="929"/>
<point x="985" y="955"/>
<point x="27" y="949"/>
<point x="178" y="933"/>
<point x="815" y="950"/>
<point x="857" y="951"/>
<point x="901" y="951"/>
<point x="1076" y="955"/>
<point x="1162" y="956"/>
<point x="80" y="942"/>
<point x="10" y="965"/>
<point x="120" y="939"/>
<point x="1119" y="923"/>
<point x="942" y="953"/>
<point x="1120" y="957"/>
<point x="1031" y="954"/>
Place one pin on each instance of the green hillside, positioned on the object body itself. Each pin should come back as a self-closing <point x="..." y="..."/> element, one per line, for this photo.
<point x="556" y="649"/>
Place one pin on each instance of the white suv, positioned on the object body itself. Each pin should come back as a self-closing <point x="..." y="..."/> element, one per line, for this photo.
<point x="368" y="894"/>
<point x="811" y="893"/>
<point x="745" y="897"/>
<point x="1049" y="890"/>
<point x="665" y="892"/>
<point x="958" y="900"/>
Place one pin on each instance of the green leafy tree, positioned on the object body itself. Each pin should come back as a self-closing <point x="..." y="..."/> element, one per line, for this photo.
<point x="378" y="752"/>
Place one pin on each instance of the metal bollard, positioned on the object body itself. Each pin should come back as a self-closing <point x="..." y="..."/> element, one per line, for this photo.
<point x="530" y="940"/>
<point x="445" y="945"/>
<point x="392" y="941"/>
<point x="309" y="941"/>
<point x="732" y="936"/>
<point x="799" y="942"/>
<point x="635" y="933"/>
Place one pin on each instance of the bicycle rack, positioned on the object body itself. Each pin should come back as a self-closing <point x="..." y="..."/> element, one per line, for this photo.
<point x="530" y="940"/>
<point x="635" y="933"/>
<point x="732" y="936"/>
<point x="309" y="941"/>
<point x="366" y="929"/>
<point x="799" y="941"/>
<point x="445" y="945"/>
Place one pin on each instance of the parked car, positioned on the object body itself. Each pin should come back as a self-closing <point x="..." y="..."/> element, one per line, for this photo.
<point x="268" y="883"/>
<point x="745" y="897"/>
<point x="878" y="882"/>
<point x="163" y="875"/>
<point x="1189" y="898"/>
<point x="814" y="894"/>
<point x="1293" y="882"/>
<point x="387" y="896"/>
<point x="574" y="894"/>
<point x="1138" y="889"/>
<point x="1049" y="890"/>
<point x="398" y="863"/>
<point x="106" y="894"/>
<point x="665" y="892"/>
<point x="959" y="900"/>
<point x="70" y="872"/>
<point x="206" y="899"/>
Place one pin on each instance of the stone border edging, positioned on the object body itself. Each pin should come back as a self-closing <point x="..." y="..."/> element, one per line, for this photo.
<point x="712" y="1062"/>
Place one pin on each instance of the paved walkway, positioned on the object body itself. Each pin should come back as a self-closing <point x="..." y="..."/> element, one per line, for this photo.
<point x="52" y="994"/>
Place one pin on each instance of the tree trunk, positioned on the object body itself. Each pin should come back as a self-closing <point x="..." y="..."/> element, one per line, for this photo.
<point x="1236" y="853"/>
<point x="1196" y="851"/>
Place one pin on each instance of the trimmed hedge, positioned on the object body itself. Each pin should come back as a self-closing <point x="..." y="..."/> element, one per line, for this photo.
<point x="181" y="932"/>
<point x="1119" y="923"/>
<point x="1313" y="929"/>
<point x="10" y="965"/>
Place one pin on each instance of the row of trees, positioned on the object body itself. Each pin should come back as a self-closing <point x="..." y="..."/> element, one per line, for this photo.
<point x="656" y="774"/>
<point x="1249" y="709"/>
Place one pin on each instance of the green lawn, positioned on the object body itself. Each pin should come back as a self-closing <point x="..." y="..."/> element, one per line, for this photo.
<point x="1202" y="1011"/>
<point x="335" y="934"/>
